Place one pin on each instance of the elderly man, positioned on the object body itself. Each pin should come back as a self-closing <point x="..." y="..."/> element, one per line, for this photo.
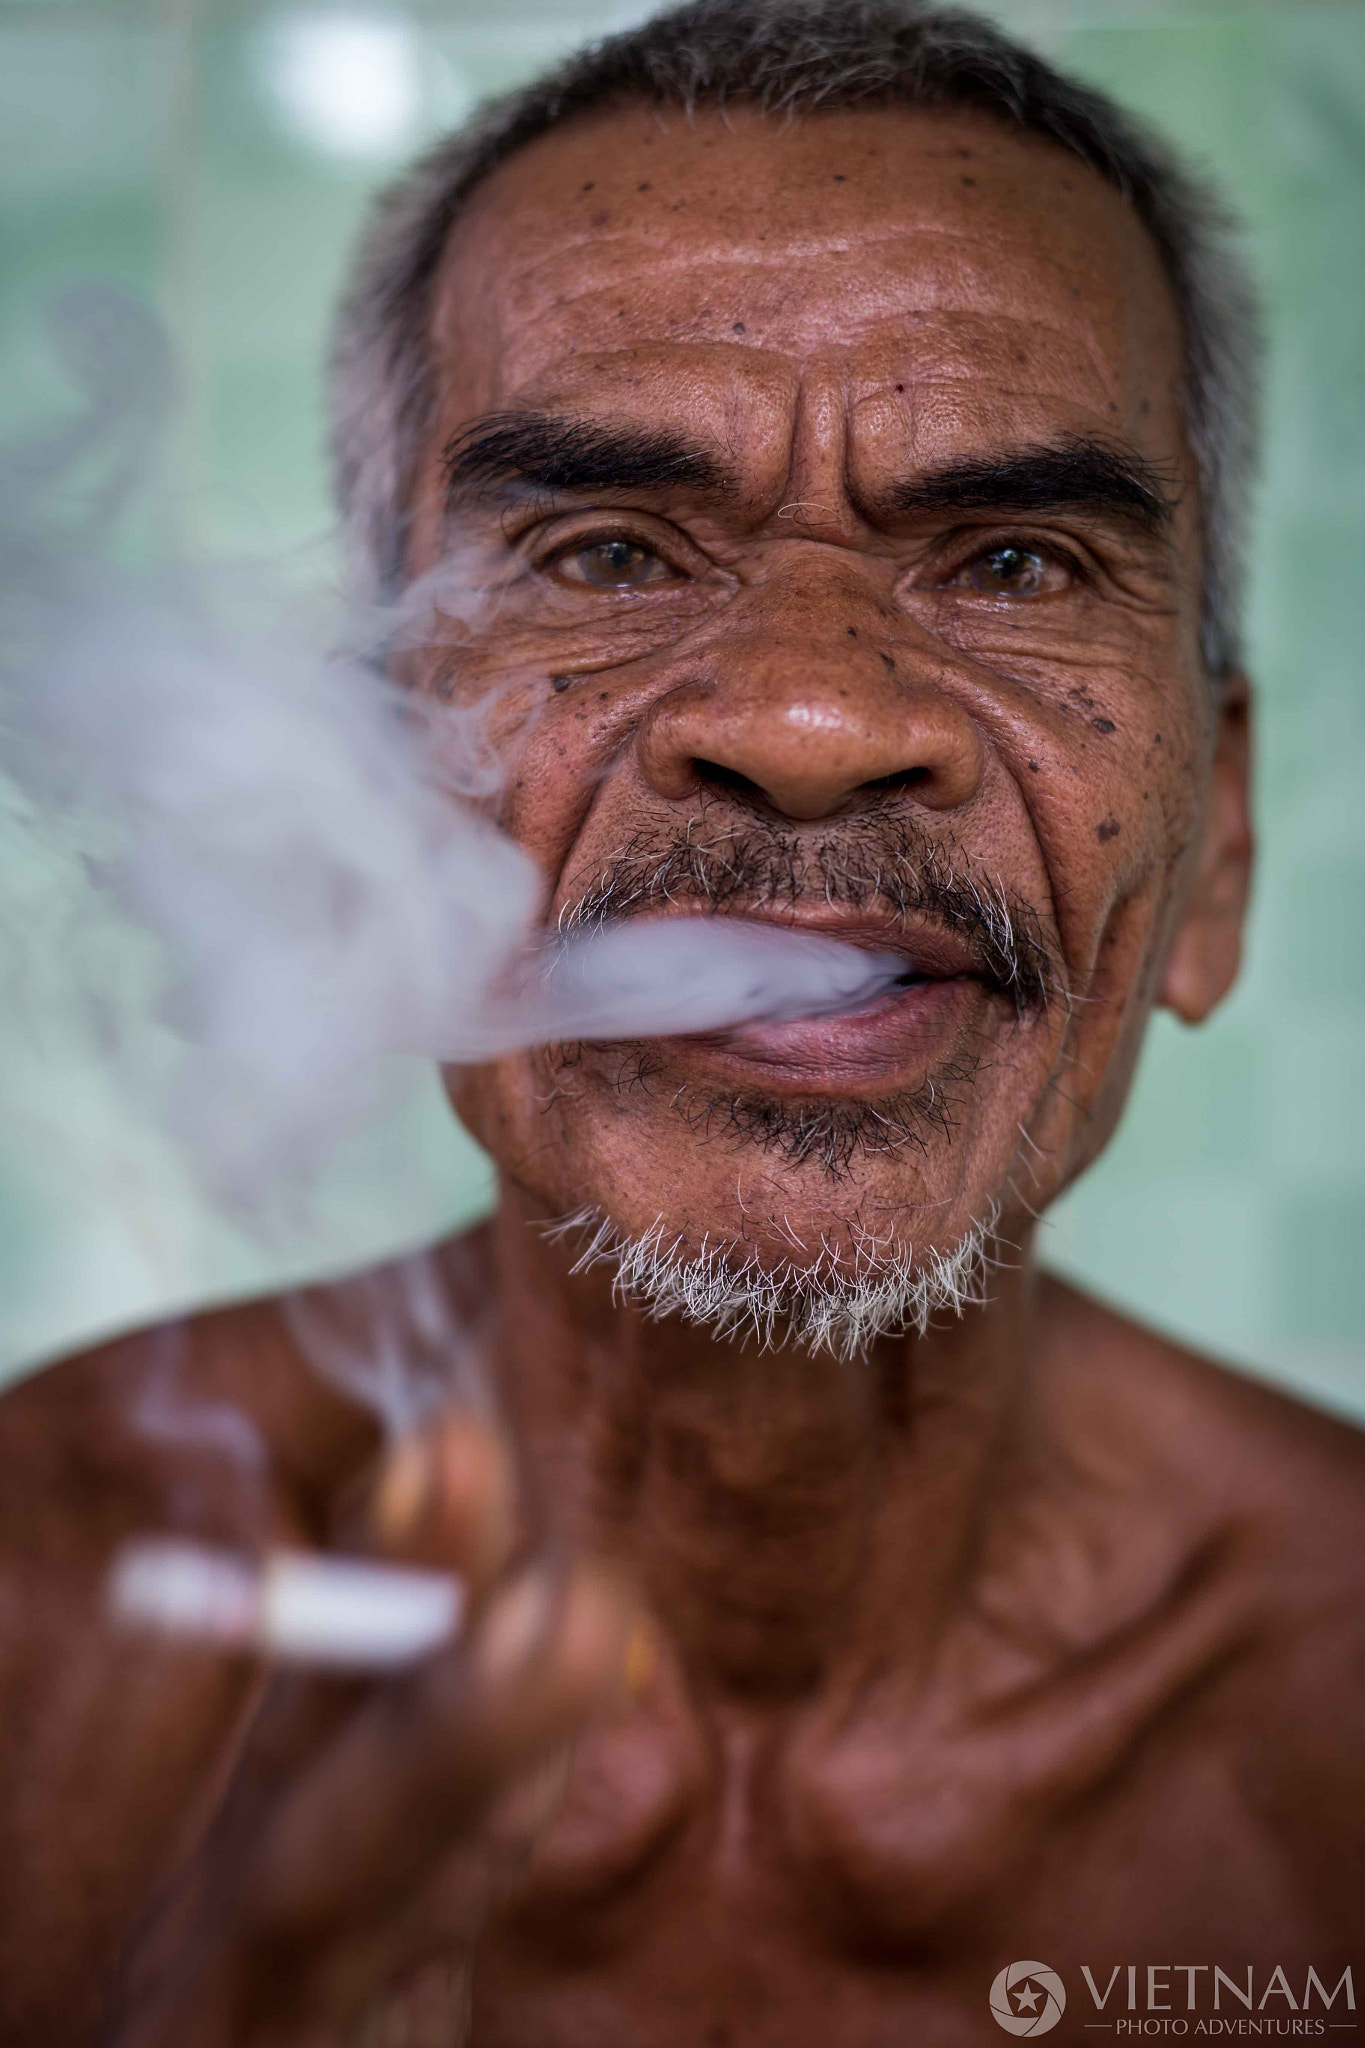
<point x="860" y="413"/>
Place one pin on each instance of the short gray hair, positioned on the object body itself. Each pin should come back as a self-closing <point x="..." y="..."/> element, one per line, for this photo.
<point x="796" y="56"/>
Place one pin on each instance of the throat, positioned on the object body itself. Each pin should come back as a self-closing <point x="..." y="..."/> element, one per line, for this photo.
<point x="756" y="1509"/>
<point x="776" y="1505"/>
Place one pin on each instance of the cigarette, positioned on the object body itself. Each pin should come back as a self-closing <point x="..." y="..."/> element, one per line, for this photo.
<point x="301" y="1606"/>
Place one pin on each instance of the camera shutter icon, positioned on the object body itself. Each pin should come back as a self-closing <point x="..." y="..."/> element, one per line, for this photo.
<point x="1027" y="1998"/>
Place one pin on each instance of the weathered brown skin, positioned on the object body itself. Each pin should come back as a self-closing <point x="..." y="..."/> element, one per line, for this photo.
<point x="1038" y="1637"/>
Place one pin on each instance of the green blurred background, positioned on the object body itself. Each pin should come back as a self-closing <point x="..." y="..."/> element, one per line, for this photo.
<point x="218" y="156"/>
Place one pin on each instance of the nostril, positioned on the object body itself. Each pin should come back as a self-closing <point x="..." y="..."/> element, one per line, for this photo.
<point x="720" y="777"/>
<point x="903" y="778"/>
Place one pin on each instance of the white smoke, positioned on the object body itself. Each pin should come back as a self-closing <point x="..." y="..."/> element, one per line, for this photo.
<point x="308" y="846"/>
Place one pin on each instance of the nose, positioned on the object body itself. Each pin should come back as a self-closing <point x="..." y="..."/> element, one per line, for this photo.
<point x="813" y="725"/>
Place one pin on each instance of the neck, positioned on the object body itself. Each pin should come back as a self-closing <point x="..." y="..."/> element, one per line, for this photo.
<point x="773" y="1502"/>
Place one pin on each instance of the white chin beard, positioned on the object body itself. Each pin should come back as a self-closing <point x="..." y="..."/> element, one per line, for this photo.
<point x="840" y="1303"/>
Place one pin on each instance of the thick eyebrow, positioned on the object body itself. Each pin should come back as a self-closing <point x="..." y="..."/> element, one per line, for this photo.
<point x="1076" y="475"/>
<point x="515" y="452"/>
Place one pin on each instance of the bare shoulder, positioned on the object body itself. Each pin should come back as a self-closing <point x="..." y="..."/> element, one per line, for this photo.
<point x="252" y="1414"/>
<point x="1262" y="1499"/>
<point x="1267" y="1500"/>
<point x="1243" y="1451"/>
<point x="146" y="1426"/>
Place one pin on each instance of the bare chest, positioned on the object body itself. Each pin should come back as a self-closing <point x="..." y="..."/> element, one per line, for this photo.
<point x="844" y="1880"/>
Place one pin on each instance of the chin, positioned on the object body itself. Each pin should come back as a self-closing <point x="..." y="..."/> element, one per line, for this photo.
<point x="775" y="1183"/>
<point x="839" y="1294"/>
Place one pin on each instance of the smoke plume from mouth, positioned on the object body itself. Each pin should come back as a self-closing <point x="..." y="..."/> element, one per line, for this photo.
<point x="883" y="861"/>
<point x="882" y="865"/>
<point x="307" y="848"/>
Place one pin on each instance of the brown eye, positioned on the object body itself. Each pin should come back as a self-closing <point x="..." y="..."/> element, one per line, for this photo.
<point x="1011" y="571"/>
<point x="615" y="564"/>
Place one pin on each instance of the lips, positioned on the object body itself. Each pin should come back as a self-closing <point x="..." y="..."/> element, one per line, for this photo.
<point x="882" y="1045"/>
<point x="886" y="1044"/>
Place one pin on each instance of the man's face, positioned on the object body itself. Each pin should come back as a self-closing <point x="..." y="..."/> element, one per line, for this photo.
<point x="832" y="479"/>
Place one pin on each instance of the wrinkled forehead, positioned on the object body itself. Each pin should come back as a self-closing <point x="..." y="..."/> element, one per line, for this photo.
<point x="712" y="268"/>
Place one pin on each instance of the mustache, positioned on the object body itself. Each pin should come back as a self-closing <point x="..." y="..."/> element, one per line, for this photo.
<point x="878" y="864"/>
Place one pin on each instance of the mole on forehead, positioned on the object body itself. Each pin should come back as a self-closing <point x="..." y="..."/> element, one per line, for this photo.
<point x="782" y="192"/>
<point x="869" y="354"/>
<point x="825" y="175"/>
<point x="914" y="263"/>
<point x="532" y="305"/>
<point x="746" y="392"/>
<point x="834" y="162"/>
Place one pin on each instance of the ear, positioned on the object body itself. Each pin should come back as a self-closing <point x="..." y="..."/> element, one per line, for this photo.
<point x="1207" y="949"/>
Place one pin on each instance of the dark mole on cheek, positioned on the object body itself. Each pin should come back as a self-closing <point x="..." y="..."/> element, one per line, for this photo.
<point x="588" y="187"/>
<point x="738" y="327"/>
<point x="558" y="683"/>
<point x="853" y="632"/>
<point x="1110" y="829"/>
<point x="1104" y="725"/>
<point x="839" y="178"/>
<point x="1034" y="765"/>
<point x="969" y="181"/>
<point x="646" y="187"/>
